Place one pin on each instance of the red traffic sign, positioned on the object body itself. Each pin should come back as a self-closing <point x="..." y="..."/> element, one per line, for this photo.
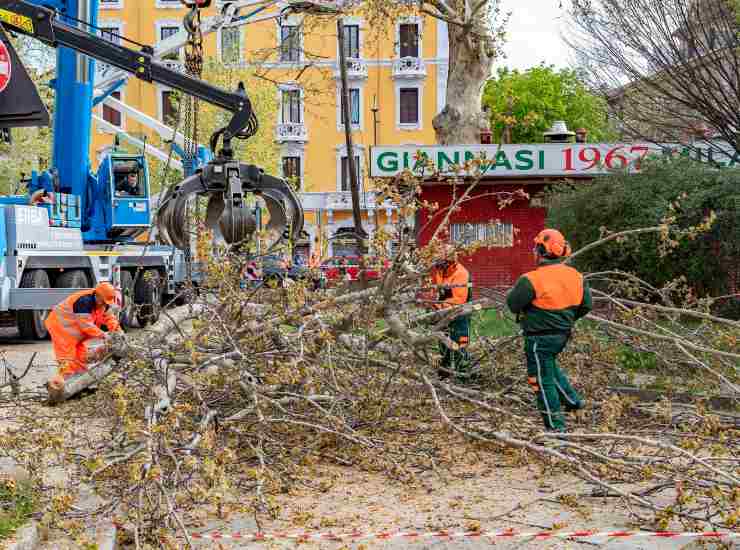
<point x="5" y="66"/>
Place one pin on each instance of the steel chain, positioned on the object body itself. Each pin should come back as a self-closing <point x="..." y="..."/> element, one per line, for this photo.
<point x="193" y="67"/>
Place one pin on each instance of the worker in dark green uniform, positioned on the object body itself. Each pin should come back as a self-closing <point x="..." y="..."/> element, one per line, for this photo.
<point x="452" y="282"/>
<point x="548" y="301"/>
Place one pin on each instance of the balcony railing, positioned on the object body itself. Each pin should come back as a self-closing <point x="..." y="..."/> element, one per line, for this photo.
<point x="173" y="64"/>
<point x="291" y="131"/>
<point x="409" y="67"/>
<point x="356" y="68"/>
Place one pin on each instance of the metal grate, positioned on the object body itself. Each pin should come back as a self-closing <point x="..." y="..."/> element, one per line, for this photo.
<point x="499" y="235"/>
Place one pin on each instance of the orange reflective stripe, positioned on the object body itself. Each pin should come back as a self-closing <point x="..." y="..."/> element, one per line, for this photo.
<point x="71" y="323"/>
<point x="532" y="380"/>
<point x="556" y="287"/>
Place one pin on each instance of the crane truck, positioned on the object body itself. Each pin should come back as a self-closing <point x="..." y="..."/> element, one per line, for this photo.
<point x="74" y="228"/>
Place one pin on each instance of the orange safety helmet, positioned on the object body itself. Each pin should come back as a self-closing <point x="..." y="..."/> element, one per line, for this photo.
<point x="107" y="293"/>
<point x="551" y="242"/>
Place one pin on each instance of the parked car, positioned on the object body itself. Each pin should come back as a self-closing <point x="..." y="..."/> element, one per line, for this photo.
<point x="350" y="268"/>
<point x="273" y="268"/>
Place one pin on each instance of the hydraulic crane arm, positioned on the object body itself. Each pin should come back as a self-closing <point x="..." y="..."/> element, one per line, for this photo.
<point x="224" y="180"/>
<point x="45" y="25"/>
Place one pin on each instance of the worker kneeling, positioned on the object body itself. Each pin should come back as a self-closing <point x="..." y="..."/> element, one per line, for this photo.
<point x="76" y="329"/>
<point x="548" y="301"/>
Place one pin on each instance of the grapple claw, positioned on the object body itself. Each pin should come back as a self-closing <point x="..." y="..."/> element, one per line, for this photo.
<point x="227" y="214"/>
<point x="237" y="225"/>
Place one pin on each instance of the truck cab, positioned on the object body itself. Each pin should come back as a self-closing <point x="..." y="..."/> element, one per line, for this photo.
<point x="123" y="180"/>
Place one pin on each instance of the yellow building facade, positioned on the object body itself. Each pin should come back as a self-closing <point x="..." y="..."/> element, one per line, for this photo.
<point x="397" y="85"/>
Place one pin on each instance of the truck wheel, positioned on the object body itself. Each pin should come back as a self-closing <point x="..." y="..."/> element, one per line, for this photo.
<point x="75" y="278"/>
<point x="128" y="311"/>
<point x="148" y="296"/>
<point x="31" y="321"/>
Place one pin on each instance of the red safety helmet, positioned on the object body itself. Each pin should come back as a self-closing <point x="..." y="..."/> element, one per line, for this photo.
<point x="551" y="242"/>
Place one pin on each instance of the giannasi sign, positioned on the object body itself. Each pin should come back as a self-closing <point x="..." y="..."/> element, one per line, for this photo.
<point x="553" y="159"/>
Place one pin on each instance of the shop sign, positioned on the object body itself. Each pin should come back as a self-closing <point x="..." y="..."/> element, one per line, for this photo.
<point x="552" y="159"/>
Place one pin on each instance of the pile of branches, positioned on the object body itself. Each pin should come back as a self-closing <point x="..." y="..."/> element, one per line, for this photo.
<point x="246" y="389"/>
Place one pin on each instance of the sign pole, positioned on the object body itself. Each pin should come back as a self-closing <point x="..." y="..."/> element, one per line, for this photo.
<point x="360" y="233"/>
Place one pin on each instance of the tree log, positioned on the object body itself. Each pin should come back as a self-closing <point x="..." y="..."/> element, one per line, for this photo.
<point x="79" y="382"/>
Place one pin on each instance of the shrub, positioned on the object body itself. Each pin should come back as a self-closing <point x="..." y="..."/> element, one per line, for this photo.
<point x="680" y="187"/>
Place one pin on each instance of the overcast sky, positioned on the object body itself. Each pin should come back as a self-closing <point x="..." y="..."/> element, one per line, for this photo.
<point x="534" y="34"/>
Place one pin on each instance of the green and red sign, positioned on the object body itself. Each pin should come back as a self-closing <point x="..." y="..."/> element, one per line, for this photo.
<point x="553" y="159"/>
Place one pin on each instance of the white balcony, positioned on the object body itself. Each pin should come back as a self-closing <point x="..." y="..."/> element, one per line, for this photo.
<point x="341" y="200"/>
<point x="356" y="69"/>
<point x="409" y="67"/>
<point x="173" y="64"/>
<point x="291" y="131"/>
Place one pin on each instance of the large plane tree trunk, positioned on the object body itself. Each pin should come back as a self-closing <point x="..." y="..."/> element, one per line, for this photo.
<point x="472" y="51"/>
<point x="475" y="35"/>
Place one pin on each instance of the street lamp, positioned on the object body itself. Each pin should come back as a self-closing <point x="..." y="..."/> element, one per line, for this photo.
<point x="375" y="110"/>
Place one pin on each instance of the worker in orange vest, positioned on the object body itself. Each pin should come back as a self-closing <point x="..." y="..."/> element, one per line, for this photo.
<point x="453" y="285"/>
<point x="314" y="261"/>
<point x="548" y="301"/>
<point x="75" y="326"/>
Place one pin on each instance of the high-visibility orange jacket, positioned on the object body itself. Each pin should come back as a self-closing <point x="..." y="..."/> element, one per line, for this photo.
<point x="74" y="326"/>
<point x="78" y="317"/>
<point x="550" y="299"/>
<point x="457" y="278"/>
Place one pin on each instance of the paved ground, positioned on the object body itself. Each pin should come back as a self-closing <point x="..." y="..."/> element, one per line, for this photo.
<point x="18" y="352"/>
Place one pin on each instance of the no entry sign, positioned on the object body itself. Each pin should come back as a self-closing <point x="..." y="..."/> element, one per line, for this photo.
<point x="5" y="66"/>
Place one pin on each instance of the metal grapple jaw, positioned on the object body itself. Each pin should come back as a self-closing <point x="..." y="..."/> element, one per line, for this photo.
<point x="226" y="183"/>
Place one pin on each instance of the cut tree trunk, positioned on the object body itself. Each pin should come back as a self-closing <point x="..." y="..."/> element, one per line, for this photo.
<point x="75" y="384"/>
<point x="471" y="64"/>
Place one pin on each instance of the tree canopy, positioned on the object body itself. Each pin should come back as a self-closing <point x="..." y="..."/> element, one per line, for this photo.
<point x="527" y="103"/>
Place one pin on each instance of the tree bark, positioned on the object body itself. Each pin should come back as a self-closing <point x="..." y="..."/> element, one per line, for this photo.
<point x="470" y="65"/>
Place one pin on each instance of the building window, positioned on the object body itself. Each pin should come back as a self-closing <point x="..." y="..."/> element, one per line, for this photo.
<point x="165" y="32"/>
<point x="354" y="107"/>
<point x="492" y="234"/>
<point x="291" y="107"/>
<point x="111" y="115"/>
<point x="168" y="4"/>
<point x="292" y="170"/>
<point x="345" y="181"/>
<point x="231" y="45"/>
<point x="408" y="100"/>
<point x="169" y="107"/>
<point x="409" y="40"/>
<point x="290" y="43"/>
<point x="352" y="41"/>
<point x="111" y="34"/>
<point x="111" y="4"/>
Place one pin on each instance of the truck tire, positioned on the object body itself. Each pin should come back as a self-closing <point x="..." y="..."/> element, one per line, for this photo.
<point x="148" y="296"/>
<point x="128" y="310"/>
<point x="75" y="278"/>
<point x="31" y="321"/>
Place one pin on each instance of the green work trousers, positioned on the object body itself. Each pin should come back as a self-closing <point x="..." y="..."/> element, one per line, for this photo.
<point x="549" y="383"/>
<point x="457" y="361"/>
